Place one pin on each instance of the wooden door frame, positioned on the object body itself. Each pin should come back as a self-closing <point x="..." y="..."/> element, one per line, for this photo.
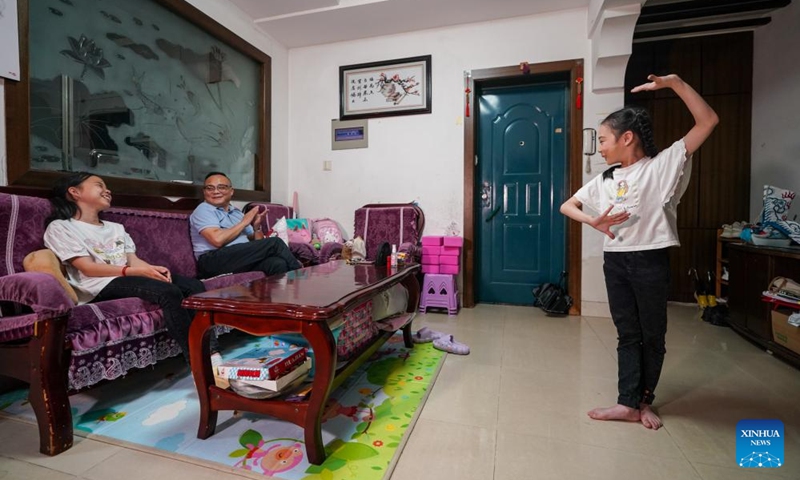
<point x="515" y="75"/>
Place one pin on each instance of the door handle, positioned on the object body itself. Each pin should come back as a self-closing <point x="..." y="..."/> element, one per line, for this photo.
<point x="486" y="195"/>
<point x="494" y="212"/>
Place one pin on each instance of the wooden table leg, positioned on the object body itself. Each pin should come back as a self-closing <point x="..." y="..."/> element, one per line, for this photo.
<point x="200" y="358"/>
<point x="321" y="341"/>
<point x="412" y="285"/>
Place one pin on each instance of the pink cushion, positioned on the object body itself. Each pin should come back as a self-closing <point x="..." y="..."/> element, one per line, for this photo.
<point x="451" y="269"/>
<point x="449" y="260"/>
<point x="430" y="250"/>
<point x="453" y="241"/>
<point x="430" y="240"/>
<point x="450" y="251"/>
<point x="430" y="268"/>
<point x="430" y="259"/>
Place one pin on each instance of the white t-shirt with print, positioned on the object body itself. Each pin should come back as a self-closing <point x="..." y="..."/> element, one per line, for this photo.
<point x="107" y="243"/>
<point x="650" y="191"/>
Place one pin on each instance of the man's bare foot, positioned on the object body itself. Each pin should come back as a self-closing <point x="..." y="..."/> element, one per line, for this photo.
<point x="649" y="417"/>
<point x="617" y="412"/>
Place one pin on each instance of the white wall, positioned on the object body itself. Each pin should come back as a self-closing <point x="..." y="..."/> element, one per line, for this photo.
<point x="224" y="12"/>
<point x="776" y="107"/>
<point x="420" y="157"/>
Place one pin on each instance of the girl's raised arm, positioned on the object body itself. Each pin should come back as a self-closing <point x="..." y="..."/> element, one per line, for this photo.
<point x="705" y="118"/>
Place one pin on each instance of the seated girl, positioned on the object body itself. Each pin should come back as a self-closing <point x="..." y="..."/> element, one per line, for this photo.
<point x="100" y="257"/>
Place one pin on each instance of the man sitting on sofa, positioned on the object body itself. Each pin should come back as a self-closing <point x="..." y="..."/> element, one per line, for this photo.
<point x="225" y="240"/>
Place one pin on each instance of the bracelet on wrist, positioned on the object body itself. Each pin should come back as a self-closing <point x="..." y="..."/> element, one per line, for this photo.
<point x="124" y="269"/>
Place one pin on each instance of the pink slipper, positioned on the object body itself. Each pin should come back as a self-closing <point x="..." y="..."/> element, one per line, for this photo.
<point x="449" y="345"/>
<point x="425" y="335"/>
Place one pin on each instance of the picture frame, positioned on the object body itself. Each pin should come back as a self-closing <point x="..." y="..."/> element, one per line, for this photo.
<point x="388" y="88"/>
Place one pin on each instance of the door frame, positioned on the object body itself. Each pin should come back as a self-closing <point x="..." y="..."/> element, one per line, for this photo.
<point x="525" y="74"/>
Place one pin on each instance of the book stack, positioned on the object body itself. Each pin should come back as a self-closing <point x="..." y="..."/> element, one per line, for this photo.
<point x="441" y="254"/>
<point x="266" y="371"/>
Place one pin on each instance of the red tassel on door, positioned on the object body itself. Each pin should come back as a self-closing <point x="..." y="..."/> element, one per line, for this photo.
<point x="467" y="91"/>
<point x="579" y="98"/>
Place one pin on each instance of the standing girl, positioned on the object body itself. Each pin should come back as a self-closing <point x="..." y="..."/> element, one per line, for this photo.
<point x="100" y="257"/>
<point x="637" y="203"/>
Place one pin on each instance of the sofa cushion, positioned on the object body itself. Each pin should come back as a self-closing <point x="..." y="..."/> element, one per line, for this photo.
<point x="45" y="261"/>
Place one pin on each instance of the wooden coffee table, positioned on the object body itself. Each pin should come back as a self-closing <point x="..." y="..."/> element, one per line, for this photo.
<point x="303" y="301"/>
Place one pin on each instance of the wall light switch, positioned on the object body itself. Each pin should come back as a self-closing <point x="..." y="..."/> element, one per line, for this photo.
<point x="326" y="165"/>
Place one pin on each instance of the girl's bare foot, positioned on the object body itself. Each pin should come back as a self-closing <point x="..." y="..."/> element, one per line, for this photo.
<point x="649" y="417"/>
<point x="617" y="412"/>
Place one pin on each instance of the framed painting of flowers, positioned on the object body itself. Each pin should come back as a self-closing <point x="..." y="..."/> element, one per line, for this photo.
<point x="386" y="88"/>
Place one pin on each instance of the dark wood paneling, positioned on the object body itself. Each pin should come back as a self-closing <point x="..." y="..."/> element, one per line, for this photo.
<point x="682" y="57"/>
<point x="724" y="178"/>
<point x="728" y="64"/>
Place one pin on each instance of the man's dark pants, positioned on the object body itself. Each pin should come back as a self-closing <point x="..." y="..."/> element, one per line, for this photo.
<point x="269" y="255"/>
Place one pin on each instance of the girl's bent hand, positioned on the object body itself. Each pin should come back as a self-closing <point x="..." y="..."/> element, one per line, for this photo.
<point x="656" y="83"/>
<point x="604" y="222"/>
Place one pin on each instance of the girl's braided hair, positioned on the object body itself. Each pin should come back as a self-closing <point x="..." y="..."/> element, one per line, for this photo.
<point x="637" y="120"/>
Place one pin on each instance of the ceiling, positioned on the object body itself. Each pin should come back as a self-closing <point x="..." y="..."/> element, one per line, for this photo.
<point x="301" y="23"/>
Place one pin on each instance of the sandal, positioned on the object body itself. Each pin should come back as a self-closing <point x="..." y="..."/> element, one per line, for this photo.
<point x="449" y="345"/>
<point x="425" y="335"/>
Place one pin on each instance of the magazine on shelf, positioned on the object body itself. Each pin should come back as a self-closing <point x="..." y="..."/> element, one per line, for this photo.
<point x="279" y="383"/>
<point x="263" y="363"/>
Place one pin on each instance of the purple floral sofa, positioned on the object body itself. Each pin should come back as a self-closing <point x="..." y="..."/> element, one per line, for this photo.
<point x="400" y="224"/>
<point x="305" y="253"/>
<point x="103" y="340"/>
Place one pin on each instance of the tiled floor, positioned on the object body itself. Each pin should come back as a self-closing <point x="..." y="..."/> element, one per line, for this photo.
<point x="515" y="408"/>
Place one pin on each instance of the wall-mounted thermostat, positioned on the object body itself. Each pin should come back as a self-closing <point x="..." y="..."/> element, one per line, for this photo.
<point x="349" y="134"/>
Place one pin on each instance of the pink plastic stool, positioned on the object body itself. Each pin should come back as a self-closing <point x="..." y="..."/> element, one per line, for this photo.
<point x="439" y="290"/>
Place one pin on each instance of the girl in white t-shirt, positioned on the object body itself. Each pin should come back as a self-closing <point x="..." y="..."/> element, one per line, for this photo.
<point x="636" y="202"/>
<point x="100" y="257"/>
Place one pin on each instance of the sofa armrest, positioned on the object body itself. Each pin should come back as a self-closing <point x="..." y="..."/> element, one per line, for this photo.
<point x="39" y="291"/>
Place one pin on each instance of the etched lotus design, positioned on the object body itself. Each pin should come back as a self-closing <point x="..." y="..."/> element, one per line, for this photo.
<point x="85" y="52"/>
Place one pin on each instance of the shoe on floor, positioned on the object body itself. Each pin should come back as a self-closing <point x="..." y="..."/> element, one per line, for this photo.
<point x="426" y="335"/>
<point x="449" y="345"/>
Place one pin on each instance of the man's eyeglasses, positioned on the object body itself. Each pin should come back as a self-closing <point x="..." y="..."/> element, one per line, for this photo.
<point x="220" y="188"/>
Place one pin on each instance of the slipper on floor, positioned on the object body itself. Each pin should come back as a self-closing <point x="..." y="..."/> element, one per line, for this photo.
<point x="425" y="335"/>
<point x="449" y="345"/>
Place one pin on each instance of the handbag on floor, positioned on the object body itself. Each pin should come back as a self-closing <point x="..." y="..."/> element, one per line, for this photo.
<point x="552" y="297"/>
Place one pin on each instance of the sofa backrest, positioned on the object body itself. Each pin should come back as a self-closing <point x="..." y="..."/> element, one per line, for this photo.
<point x="396" y="223"/>
<point x="274" y="212"/>
<point x="21" y="229"/>
<point x="161" y="238"/>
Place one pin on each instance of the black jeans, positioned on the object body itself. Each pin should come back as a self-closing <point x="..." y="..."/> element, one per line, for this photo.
<point x="269" y="255"/>
<point x="168" y="296"/>
<point x="638" y="286"/>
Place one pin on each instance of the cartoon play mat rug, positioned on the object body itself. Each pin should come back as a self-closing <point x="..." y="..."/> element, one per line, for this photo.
<point x="364" y="427"/>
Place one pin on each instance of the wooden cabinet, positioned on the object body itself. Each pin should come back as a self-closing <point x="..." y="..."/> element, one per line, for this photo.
<point x="751" y="270"/>
<point x="723" y="269"/>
